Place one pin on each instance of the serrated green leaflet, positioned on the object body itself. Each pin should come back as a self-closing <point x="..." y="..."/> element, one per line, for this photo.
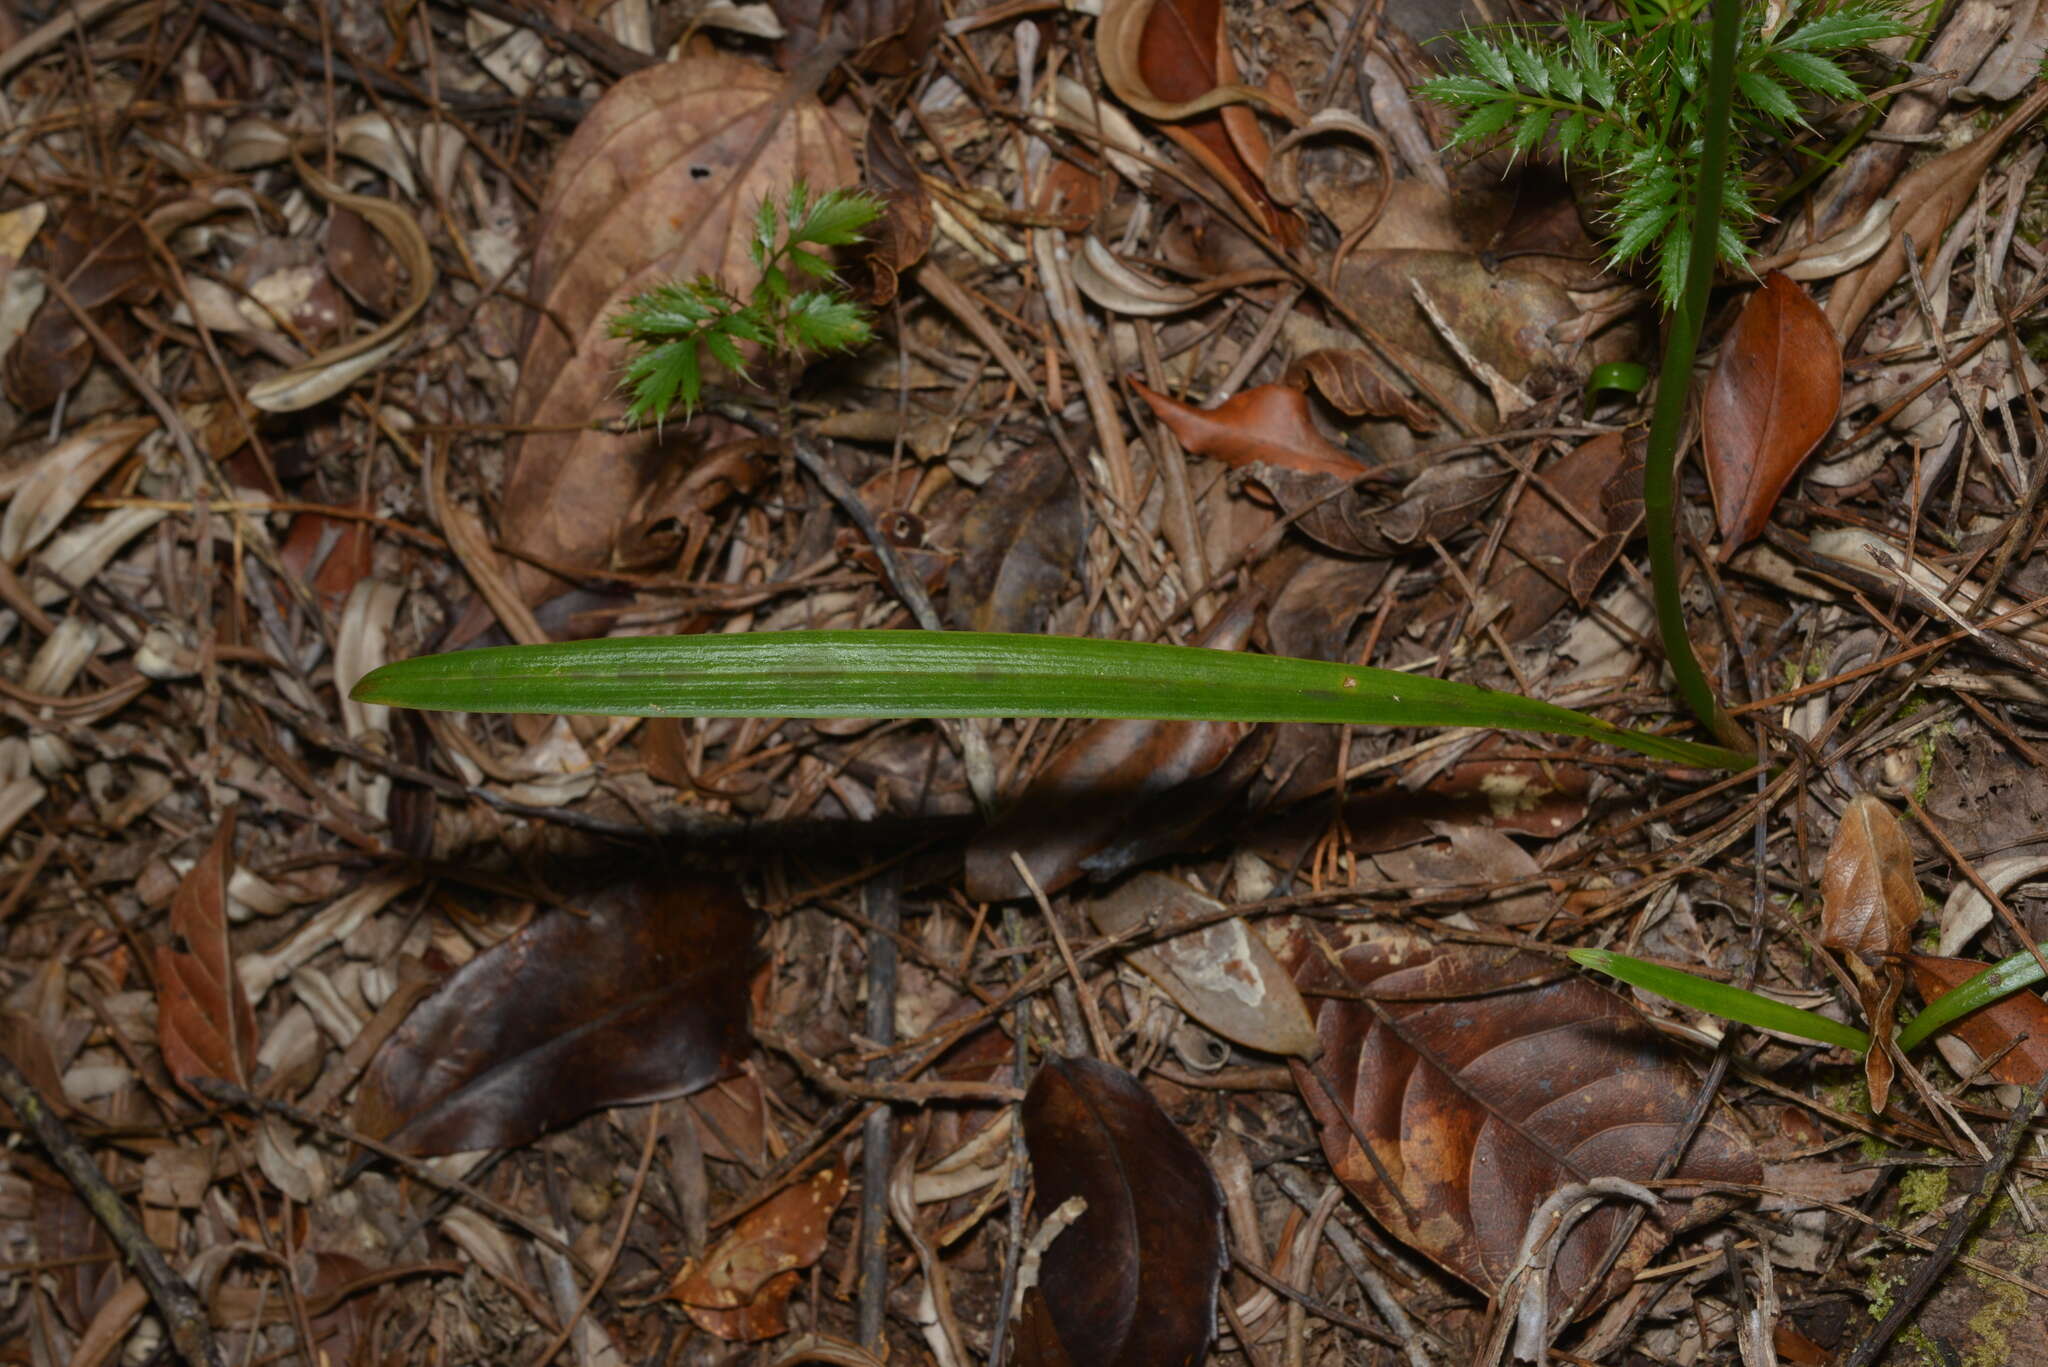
<point x="1732" y="1003"/>
<point x="969" y="674"/>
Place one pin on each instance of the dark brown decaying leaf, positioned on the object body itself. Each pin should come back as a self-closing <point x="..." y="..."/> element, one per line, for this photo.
<point x="888" y="37"/>
<point x="1121" y="792"/>
<point x="104" y="262"/>
<point x="643" y="194"/>
<point x="205" y="1025"/>
<point x="899" y="240"/>
<point x="1020" y="543"/>
<point x="740" y="1289"/>
<point x="1484" y="1081"/>
<point x="638" y="993"/>
<point x="1268" y="423"/>
<point x="1132" y="1283"/>
<point x="2011" y="1033"/>
<point x="1354" y="385"/>
<point x="1443" y="499"/>
<point x="1771" y="398"/>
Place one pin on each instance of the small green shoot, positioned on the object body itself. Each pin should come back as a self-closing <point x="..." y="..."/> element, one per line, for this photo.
<point x="678" y="326"/>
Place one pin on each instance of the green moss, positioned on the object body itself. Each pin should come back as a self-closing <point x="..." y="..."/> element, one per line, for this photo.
<point x="1922" y="1191"/>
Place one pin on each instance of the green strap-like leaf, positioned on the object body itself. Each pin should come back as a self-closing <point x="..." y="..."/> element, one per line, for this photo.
<point x="1720" y="999"/>
<point x="969" y="674"/>
<point x="2001" y="979"/>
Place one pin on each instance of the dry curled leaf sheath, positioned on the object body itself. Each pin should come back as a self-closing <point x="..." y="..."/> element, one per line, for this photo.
<point x="1484" y="1082"/>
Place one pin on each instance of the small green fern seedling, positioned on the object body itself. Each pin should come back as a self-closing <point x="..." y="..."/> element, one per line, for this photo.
<point x="1626" y="98"/>
<point x="675" y="327"/>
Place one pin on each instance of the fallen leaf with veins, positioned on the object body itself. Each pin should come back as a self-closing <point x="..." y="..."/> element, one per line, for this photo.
<point x="1267" y="424"/>
<point x="740" y="1290"/>
<point x="205" y="1025"/>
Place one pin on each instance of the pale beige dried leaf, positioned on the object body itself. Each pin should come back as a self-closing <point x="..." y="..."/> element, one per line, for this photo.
<point x="1223" y="974"/>
<point x="1930" y="197"/>
<point x="76" y="557"/>
<point x="1117" y="287"/>
<point x="62" y="476"/>
<point x="1869" y="899"/>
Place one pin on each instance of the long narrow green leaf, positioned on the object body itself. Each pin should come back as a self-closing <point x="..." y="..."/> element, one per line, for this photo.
<point x="1733" y="1003"/>
<point x="968" y="674"/>
<point x="2001" y="979"/>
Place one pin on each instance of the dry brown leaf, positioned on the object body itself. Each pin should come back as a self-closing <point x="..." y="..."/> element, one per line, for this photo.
<point x="205" y="1025"/>
<point x="1771" y="398"/>
<point x="1869" y="902"/>
<point x="660" y="182"/>
<point x="1869" y="897"/>
<point x="1484" y="1081"/>
<point x="1930" y="196"/>
<point x="899" y="240"/>
<point x="887" y="37"/>
<point x="1222" y="974"/>
<point x="1020" y="544"/>
<point x="739" y="1290"/>
<point x="1267" y="424"/>
<point x="2012" y="1032"/>
<point x="104" y="261"/>
<point x="1358" y="520"/>
<point x="1354" y="385"/>
<point x="1170" y="60"/>
<point x="59" y="478"/>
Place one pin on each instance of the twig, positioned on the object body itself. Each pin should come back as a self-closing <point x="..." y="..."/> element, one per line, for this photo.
<point x="885" y="910"/>
<point x="1930" y="1270"/>
<point x="882" y="1088"/>
<point x="1096" y="1031"/>
<point x="184" y="1317"/>
<point x="611" y="1254"/>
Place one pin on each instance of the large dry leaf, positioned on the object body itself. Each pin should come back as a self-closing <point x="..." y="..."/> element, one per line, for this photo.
<point x="1354" y="385"/>
<point x="1020" y="544"/>
<point x="1121" y="792"/>
<point x="638" y="994"/>
<point x="1929" y="198"/>
<point x="2012" y="1032"/>
<point x="659" y="183"/>
<point x="1772" y="397"/>
<point x="1869" y="897"/>
<point x="1221" y="974"/>
<point x="1132" y="1282"/>
<point x="204" y="1023"/>
<point x="1267" y="424"/>
<point x="1484" y="1081"/>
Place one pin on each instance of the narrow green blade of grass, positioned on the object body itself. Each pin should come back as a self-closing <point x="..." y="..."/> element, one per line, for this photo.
<point x="1733" y="1003"/>
<point x="2001" y="979"/>
<point x="969" y="674"/>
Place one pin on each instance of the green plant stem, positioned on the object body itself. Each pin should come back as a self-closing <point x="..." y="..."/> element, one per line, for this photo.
<point x="1660" y="463"/>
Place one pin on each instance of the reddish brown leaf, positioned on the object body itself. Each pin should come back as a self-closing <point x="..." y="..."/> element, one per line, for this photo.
<point x="1120" y="793"/>
<point x="1484" y="1081"/>
<point x="1269" y="423"/>
<point x="2012" y="1031"/>
<point x="740" y="1290"/>
<point x="1353" y="384"/>
<point x="1772" y="397"/>
<point x="104" y="262"/>
<point x="643" y="194"/>
<point x="637" y="994"/>
<point x="1869" y="898"/>
<point x="1020" y="544"/>
<point x="1132" y="1283"/>
<point x="204" y="1023"/>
